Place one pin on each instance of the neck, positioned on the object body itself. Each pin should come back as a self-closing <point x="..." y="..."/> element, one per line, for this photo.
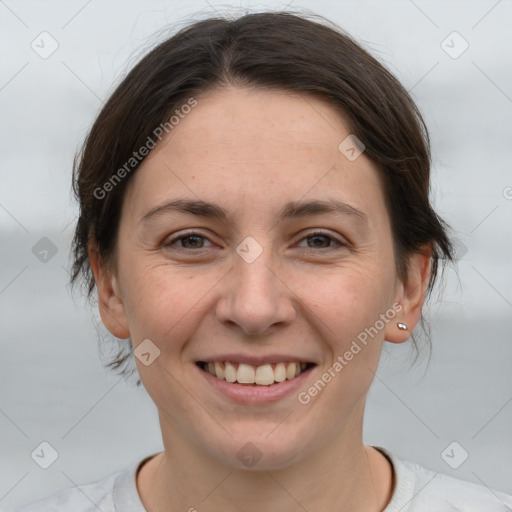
<point x="346" y="475"/>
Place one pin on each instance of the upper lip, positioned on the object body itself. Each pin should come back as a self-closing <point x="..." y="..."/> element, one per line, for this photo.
<point x="256" y="360"/>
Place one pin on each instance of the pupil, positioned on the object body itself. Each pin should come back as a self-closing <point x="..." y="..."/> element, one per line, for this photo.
<point x="317" y="237"/>
<point x="196" y="238"/>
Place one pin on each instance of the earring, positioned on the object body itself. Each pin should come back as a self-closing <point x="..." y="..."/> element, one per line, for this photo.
<point x="402" y="326"/>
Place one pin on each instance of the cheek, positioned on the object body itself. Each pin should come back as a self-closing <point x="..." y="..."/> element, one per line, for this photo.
<point x="163" y="302"/>
<point x="346" y="300"/>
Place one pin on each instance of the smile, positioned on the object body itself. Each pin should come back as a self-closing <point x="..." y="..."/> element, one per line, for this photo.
<point x="263" y="375"/>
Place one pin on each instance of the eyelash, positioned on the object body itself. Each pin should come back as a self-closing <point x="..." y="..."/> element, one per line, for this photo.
<point x="199" y="235"/>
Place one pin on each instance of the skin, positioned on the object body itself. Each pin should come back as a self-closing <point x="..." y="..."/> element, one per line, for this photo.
<point x="250" y="151"/>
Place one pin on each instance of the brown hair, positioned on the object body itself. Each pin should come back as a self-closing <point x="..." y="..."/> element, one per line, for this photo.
<point x="279" y="50"/>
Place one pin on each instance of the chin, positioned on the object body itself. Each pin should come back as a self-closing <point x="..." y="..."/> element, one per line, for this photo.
<point x="260" y="452"/>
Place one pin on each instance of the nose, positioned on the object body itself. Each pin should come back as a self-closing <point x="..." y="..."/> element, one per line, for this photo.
<point x="256" y="296"/>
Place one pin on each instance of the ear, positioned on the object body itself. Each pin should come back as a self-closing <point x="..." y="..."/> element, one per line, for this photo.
<point x="411" y="296"/>
<point x="112" y="310"/>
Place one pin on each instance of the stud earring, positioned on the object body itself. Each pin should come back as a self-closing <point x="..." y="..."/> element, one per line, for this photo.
<point x="402" y="326"/>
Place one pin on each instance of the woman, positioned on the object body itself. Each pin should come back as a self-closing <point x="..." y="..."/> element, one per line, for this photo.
<point x="255" y="218"/>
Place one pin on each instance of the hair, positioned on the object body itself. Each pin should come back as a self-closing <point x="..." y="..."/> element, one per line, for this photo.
<point x="273" y="50"/>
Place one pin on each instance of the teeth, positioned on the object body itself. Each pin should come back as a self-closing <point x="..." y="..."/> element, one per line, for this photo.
<point x="230" y="372"/>
<point x="280" y="372"/>
<point x="264" y="375"/>
<point x="245" y="374"/>
<point x="290" y="371"/>
<point x="219" y="371"/>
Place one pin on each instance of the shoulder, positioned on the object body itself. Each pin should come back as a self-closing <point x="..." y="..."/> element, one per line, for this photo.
<point x="115" y="492"/>
<point x="85" y="498"/>
<point x="455" y="494"/>
<point x="419" y="489"/>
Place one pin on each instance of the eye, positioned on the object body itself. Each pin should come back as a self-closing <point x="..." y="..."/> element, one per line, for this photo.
<point x="189" y="240"/>
<point x="194" y="240"/>
<point x="320" y="239"/>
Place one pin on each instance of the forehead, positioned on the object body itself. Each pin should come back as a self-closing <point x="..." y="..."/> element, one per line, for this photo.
<point x="247" y="120"/>
<point x="256" y="147"/>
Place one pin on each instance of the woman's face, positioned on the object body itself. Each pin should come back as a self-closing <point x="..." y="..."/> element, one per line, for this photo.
<point x="267" y="281"/>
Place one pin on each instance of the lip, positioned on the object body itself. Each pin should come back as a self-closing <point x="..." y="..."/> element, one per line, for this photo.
<point x="254" y="394"/>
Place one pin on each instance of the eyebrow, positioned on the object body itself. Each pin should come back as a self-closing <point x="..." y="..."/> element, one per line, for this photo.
<point x="292" y="209"/>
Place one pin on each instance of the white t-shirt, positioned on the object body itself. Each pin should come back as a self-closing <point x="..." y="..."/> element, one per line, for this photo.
<point x="417" y="489"/>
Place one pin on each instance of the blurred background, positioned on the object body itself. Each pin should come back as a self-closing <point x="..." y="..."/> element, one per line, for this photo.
<point x="61" y="60"/>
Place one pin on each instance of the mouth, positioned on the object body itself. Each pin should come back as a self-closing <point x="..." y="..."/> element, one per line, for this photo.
<point x="269" y="374"/>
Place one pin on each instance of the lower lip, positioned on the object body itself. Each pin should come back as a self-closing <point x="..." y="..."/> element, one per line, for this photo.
<point x="254" y="394"/>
